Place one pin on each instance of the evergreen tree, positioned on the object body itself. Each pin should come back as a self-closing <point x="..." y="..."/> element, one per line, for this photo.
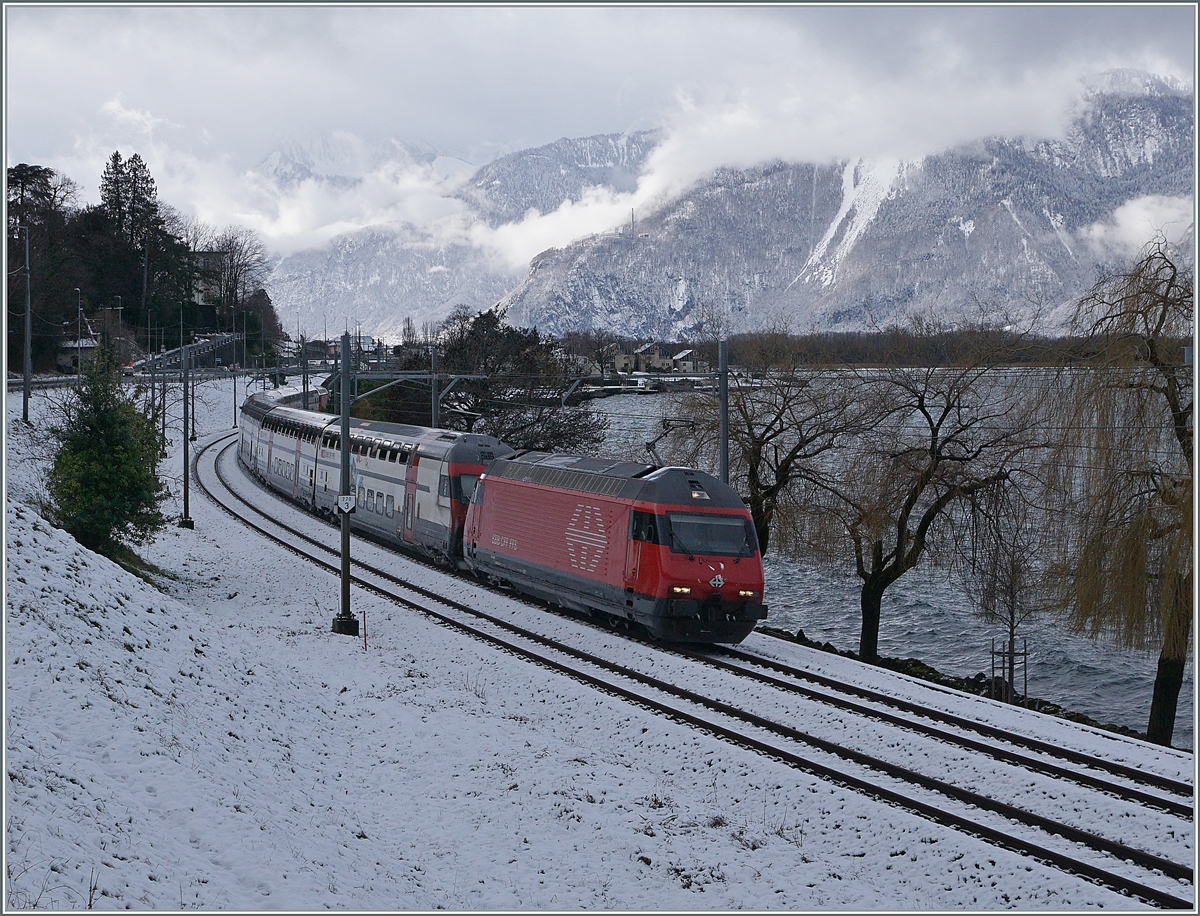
<point x="141" y="197"/>
<point x="521" y="399"/>
<point x="104" y="484"/>
<point x="114" y="195"/>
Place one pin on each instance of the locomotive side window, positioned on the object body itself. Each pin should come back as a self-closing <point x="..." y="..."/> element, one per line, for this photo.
<point x="715" y="535"/>
<point x="644" y="527"/>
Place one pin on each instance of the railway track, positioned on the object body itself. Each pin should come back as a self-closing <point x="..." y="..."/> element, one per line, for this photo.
<point x="1095" y="773"/>
<point x="940" y="797"/>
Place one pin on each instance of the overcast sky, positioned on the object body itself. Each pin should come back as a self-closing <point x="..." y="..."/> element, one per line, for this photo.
<point x="204" y="94"/>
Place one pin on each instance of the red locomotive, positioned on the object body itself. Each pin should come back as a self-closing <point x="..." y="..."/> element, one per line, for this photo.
<point x="671" y="549"/>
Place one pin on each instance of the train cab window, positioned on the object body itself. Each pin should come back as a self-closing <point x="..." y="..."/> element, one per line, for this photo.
<point x="391" y="506"/>
<point x="645" y="528"/>
<point x="466" y="485"/>
<point x="715" y="535"/>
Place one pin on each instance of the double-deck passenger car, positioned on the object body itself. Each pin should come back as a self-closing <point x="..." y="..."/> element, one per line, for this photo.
<point x="412" y="484"/>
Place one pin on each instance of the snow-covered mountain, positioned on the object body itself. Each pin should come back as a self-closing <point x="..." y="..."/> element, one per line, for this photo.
<point x="376" y="278"/>
<point x="1003" y="226"/>
<point x="505" y="190"/>
<point x="340" y="158"/>
<point x="379" y="276"/>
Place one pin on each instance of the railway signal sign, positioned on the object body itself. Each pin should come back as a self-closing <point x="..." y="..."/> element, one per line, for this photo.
<point x="346" y="504"/>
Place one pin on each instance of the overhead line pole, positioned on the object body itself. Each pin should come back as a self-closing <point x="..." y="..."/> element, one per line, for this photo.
<point x="345" y="622"/>
<point x="28" y="382"/>
<point x="723" y="372"/>
<point x="433" y="384"/>
<point x="184" y="357"/>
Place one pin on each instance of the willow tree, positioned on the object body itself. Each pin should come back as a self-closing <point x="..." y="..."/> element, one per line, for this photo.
<point x="1123" y="473"/>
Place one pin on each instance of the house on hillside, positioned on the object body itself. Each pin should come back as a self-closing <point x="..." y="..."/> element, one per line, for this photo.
<point x="78" y="347"/>
<point x="206" y="280"/>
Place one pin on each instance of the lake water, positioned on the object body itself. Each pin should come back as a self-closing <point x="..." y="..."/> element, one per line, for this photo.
<point x="926" y="616"/>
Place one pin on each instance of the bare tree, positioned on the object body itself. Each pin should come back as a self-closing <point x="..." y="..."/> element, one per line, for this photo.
<point x="1123" y="472"/>
<point x="1000" y="564"/>
<point x="782" y="427"/>
<point x="939" y="437"/>
<point x="596" y="345"/>
<point x="245" y="266"/>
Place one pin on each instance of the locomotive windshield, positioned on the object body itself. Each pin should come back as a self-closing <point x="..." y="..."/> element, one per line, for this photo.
<point x="714" y="535"/>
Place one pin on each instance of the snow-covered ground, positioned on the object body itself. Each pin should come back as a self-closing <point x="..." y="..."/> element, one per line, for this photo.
<point x="210" y="743"/>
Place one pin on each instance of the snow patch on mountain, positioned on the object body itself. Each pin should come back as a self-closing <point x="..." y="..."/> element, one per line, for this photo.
<point x="865" y="185"/>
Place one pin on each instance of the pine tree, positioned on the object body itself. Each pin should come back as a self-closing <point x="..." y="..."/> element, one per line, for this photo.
<point x="114" y="192"/>
<point x="142" y="198"/>
<point x="104" y="484"/>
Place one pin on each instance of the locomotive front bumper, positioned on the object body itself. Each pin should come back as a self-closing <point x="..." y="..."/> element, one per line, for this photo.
<point x="711" y="620"/>
<point x="714" y="610"/>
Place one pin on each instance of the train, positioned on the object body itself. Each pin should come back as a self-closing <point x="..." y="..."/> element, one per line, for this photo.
<point x="669" y="550"/>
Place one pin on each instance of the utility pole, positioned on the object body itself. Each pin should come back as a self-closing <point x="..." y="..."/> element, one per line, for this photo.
<point x="723" y="373"/>
<point x="121" y="350"/>
<point x="185" y="358"/>
<point x="433" y="384"/>
<point x="192" y="394"/>
<point x="158" y="365"/>
<point x="304" y="371"/>
<point x="149" y="363"/>
<point x="78" y="333"/>
<point x="345" y="622"/>
<point x="28" y="380"/>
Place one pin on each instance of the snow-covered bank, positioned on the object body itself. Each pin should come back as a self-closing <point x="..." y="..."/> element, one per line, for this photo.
<point x="214" y="745"/>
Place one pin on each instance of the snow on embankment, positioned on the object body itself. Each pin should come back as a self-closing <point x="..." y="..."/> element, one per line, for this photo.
<point x="213" y="745"/>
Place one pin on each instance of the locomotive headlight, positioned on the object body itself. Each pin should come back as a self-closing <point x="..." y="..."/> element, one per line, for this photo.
<point x="747" y="593"/>
<point x="681" y="589"/>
